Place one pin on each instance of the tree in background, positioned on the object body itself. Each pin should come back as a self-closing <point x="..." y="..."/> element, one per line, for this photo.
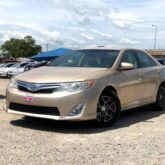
<point x="25" y="47"/>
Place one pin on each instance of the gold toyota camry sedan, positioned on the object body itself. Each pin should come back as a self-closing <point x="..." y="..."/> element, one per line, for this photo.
<point x="89" y="84"/>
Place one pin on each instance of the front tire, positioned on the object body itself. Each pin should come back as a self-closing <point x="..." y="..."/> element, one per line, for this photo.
<point x="160" y="99"/>
<point x="108" y="108"/>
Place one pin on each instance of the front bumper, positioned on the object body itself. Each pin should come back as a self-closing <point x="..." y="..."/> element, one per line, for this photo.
<point x="3" y="74"/>
<point x="64" y="101"/>
<point x="14" y="73"/>
<point x="10" y="74"/>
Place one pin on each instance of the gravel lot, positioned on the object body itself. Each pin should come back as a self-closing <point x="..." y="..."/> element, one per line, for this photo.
<point x="138" y="138"/>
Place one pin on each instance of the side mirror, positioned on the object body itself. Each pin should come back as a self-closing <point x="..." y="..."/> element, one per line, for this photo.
<point x="126" y="66"/>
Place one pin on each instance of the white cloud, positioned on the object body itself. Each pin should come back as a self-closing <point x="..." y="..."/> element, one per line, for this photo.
<point x="9" y="3"/>
<point x="43" y="30"/>
<point x="127" y="41"/>
<point x="87" y="37"/>
<point x="102" y="35"/>
<point x="42" y="34"/>
<point x="124" y="20"/>
<point x="83" y="11"/>
<point x="6" y="35"/>
<point x="78" y="23"/>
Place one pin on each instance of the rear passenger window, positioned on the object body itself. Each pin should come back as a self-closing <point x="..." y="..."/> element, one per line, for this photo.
<point x="22" y="65"/>
<point x="145" y="60"/>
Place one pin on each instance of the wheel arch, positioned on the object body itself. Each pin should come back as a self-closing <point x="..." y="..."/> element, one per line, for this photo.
<point x="158" y="104"/>
<point x="162" y="83"/>
<point x="109" y="88"/>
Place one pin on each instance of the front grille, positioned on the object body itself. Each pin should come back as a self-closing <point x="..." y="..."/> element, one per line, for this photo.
<point x="37" y="87"/>
<point x="38" y="91"/>
<point x="35" y="109"/>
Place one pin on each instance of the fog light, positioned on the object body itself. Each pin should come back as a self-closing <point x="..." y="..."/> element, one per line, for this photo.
<point x="77" y="110"/>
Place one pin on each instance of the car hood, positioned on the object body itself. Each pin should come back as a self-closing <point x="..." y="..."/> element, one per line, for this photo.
<point x="60" y="74"/>
<point x="5" y="69"/>
<point x="11" y="68"/>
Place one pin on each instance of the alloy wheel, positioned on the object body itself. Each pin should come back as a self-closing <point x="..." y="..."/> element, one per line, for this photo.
<point x="106" y="109"/>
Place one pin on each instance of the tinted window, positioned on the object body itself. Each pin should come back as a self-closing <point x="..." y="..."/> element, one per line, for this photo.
<point x="22" y="65"/>
<point x="10" y="65"/>
<point x="87" y="58"/>
<point x="144" y="60"/>
<point x="161" y="61"/>
<point x="14" y="66"/>
<point x="130" y="57"/>
<point x="2" y="65"/>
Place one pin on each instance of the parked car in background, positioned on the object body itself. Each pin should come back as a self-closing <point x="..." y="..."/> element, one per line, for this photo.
<point x="2" y="65"/>
<point x="161" y="60"/>
<point x="6" y="65"/>
<point x="35" y="65"/>
<point x="89" y="84"/>
<point x="18" y="69"/>
<point x="5" y="68"/>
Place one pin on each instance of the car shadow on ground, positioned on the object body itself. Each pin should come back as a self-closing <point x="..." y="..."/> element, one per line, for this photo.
<point x="2" y="97"/>
<point x="127" y="119"/>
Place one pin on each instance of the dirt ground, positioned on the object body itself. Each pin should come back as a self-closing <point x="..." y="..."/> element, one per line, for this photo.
<point x="137" y="139"/>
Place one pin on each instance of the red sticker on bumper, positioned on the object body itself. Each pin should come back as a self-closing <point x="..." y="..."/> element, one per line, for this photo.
<point x="29" y="98"/>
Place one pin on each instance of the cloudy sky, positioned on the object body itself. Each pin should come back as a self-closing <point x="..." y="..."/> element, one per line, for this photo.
<point x="83" y="23"/>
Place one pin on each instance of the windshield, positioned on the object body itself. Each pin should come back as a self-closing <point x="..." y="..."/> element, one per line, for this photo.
<point x="15" y="65"/>
<point x="9" y="65"/>
<point x="87" y="58"/>
<point x="21" y="65"/>
<point x="2" y="65"/>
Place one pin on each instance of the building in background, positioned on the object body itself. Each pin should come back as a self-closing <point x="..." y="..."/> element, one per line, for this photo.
<point x="5" y="58"/>
<point x="158" y="53"/>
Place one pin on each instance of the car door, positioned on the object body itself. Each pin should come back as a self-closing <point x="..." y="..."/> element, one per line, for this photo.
<point x="150" y="73"/>
<point x="130" y="87"/>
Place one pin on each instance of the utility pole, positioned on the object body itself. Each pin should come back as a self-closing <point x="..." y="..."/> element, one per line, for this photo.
<point x="47" y="47"/>
<point x="125" y="35"/>
<point x="156" y="28"/>
<point x="125" y="31"/>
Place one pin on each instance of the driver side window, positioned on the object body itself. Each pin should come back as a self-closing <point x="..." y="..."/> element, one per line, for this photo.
<point x="130" y="57"/>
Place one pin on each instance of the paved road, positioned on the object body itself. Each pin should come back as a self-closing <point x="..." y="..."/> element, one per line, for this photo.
<point x="137" y="139"/>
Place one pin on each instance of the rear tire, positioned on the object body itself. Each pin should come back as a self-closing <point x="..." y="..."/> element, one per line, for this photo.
<point x="160" y="99"/>
<point x="108" y="108"/>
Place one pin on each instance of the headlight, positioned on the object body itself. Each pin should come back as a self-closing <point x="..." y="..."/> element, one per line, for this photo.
<point x="13" y="83"/>
<point x="76" y="86"/>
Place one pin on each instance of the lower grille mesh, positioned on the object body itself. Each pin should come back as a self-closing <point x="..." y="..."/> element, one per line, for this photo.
<point x="35" y="109"/>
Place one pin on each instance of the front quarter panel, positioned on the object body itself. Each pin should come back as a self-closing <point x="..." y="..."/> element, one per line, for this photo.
<point x="162" y="74"/>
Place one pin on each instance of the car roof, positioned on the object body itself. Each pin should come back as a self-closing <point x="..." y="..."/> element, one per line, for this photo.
<point x="109" y="48"/>
<point x="99" y="48"/>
